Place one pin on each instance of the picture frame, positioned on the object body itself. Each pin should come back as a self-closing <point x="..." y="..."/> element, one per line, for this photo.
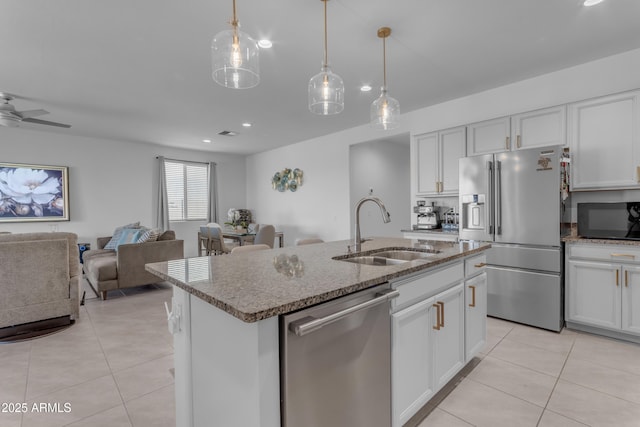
<point x="33" y="193"/>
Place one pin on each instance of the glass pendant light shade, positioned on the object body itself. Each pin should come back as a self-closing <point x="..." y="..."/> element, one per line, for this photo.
<point x="235" y="57"/>
<point x="235" y="60"/>
<point x="326" y="93"/>
<point x="385" y="112"/>
<point x="326" y="89"/>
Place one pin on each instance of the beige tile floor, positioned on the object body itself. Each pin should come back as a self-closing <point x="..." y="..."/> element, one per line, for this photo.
<point x="530" y="377"/>
<point x="113" y="368"/>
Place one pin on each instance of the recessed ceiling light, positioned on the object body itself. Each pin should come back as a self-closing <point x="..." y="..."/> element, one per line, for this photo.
<point x="265" y="44"/>
<point x="206" y="141"/>
<point x="246" y="124"/>
<point x="365" y="88"/>
<point x="592" y="2"/>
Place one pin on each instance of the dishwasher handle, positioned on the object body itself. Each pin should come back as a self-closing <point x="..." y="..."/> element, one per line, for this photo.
<point x="309" y="324"/>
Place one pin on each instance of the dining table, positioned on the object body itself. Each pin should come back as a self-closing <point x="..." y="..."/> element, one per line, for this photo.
<point x="243" y="236"/>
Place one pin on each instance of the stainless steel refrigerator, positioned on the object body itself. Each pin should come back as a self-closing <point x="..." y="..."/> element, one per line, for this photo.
<point x="512" y="199"/>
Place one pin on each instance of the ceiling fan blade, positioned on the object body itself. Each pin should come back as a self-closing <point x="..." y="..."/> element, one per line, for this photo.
<point x="31" y="113"/>
<point x="45" y="122"/>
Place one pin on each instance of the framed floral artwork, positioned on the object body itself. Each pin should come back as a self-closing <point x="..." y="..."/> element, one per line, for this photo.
<point x="33" y="193"/>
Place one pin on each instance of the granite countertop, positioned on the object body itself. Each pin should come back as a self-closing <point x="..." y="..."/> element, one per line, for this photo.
<point x="250" y="287"/>
<point x="585" y="240"/>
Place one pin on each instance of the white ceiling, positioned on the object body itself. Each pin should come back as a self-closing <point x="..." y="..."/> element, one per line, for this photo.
<point x="140" y="70"/>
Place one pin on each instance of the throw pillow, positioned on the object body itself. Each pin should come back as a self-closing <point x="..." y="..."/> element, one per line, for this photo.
<point x="113" y="243"/>
<point x="149" y="235"/>
<point x="129" y="235"/>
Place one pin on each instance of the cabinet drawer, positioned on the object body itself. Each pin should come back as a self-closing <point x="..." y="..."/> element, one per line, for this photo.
<point x="416" y="288"/>
<point x="609" y="253"/>
<point x="475" y="264"/>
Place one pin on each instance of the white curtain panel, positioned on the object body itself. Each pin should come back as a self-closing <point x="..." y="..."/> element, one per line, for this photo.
<point x="162" y="210"/>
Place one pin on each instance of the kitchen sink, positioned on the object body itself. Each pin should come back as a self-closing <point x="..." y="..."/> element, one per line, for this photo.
<point x="405" y="255"/>
<point x="374" y="260"/>
<point x="389" y="257"/>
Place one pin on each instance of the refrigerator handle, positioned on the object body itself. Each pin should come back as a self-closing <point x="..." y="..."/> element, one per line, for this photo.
<point x="489" y="204"/>
<point x="498" y="189"/>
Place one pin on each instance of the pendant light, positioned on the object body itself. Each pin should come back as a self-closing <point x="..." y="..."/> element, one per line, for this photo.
<point x="385" y="111"/>
<point x="326" y="89"/>
<point x="234" y="57"/>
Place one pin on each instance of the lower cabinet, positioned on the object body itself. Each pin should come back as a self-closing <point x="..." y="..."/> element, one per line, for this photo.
<point x="475" y="315"/>
<point x="434" y="334"/>
<point x="603" y="289"/>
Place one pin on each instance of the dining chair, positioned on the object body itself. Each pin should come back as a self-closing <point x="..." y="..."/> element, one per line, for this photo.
<point x="265" y="235"/>
<point x="308" y="241"/>
<point x="249" y="248"/>
<point x="211" y="238"/>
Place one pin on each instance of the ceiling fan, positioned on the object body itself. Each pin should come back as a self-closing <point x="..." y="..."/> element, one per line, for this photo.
<point x="11" y="118"/>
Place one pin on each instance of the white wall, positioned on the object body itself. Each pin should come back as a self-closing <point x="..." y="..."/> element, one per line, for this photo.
<point x="323" y="205"/>
<point x="384" y="167"/>
<point x="112" y="182"/>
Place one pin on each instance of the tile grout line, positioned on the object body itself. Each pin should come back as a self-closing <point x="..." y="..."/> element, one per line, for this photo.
<point x="26" y="382"/>
<point x="110" y="368"/>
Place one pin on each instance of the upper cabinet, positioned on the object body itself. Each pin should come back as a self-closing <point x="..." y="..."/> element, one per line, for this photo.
<point x="436" y="155"/>
<point x="490" y="136"/>
<point x="537" y="128"/>
<point x="604" y="141"/>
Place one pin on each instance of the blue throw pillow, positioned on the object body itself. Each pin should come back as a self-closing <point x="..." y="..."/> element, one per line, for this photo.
<point x="129" y="235"/>
<point x="113" y="243"/>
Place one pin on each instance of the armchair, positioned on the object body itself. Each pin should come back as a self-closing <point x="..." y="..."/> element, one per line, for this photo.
<point x="107" y="269"/>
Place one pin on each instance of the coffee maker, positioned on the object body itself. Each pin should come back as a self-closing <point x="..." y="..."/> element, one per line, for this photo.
<point x="428" y="217"/>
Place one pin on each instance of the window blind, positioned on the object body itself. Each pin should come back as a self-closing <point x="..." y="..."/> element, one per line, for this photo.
<point x="187" y="190"/>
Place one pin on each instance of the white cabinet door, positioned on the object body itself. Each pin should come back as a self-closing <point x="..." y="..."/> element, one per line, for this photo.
<point x="490" y="136"/>
<point x="594" y="294"/>
<point x="539" y="128"/>
<point x="631" y="299"/>
<point x="427" y="163"/>
<point x="448" y="334"/>
<point x="436" y="157"/>
<point x="604" y="141"/>
<point x="451" y="149"/>
<point x="475" y="315"/>
<point x="411" y="360"/>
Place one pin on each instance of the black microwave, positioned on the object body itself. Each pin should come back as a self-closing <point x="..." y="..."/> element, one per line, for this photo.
<point x="619" y="220"/>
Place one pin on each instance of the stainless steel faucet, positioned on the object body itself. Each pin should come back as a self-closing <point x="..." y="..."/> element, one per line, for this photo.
<point x="386" y="217"/>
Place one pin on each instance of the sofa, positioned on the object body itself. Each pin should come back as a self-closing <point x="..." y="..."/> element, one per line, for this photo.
<point x="110" y="269"/>
<point x="39" y="278"/>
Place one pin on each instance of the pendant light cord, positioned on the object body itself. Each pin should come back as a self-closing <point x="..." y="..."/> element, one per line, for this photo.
<point x="325" y="33"/>
<point x="384" y="62"/>
<point x="234" y="23"/>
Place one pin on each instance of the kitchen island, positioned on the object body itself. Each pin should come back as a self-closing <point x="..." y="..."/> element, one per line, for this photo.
<point x="225" y="318"/>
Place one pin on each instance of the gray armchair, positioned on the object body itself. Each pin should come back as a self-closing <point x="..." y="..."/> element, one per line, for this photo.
<point x="107" y="269"/>
<point x="39" y="278"/>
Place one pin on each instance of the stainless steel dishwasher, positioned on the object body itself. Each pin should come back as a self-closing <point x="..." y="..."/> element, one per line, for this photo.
<point x="335" y="362"/>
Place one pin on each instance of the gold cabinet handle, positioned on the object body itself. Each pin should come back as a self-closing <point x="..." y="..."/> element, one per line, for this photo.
<point x="437" y="326"/>
<point x="638" y="174"/>
<point x="617" y="277"/>
<point x="442" y="307"/>
<point x="518" y="141"/>
<point x="473" y="296"/>
<point x="480" y="265"/>
<point x="626" y="278"/>
<point x="437" y="186"/>
<point x="507" y="145"/>
<point x="623" y="256"/>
